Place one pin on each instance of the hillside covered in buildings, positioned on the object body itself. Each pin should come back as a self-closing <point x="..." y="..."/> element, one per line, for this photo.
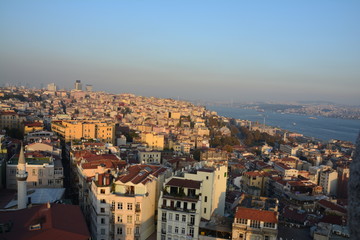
<point x="132" y="167"/>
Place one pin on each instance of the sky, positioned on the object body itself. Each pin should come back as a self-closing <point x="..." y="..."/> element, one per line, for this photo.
<point x="195" y="50"/>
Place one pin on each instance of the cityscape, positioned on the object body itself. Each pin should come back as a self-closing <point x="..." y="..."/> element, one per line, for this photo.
<point x="132" y="167"/>
<point x="179" y="120"/>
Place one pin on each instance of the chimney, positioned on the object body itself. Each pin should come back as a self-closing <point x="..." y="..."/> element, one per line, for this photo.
<point x="107" y="179"/>
<point x="100" y="179"/>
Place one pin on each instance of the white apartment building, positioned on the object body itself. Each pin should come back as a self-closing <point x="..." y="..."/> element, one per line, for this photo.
<point x="192" y="194"/>
<point x="146" y="157"/>
<point x="179" y="210"/>
<point x="328" y="180"/>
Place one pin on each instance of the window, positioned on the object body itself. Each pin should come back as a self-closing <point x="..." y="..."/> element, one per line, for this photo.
<point x="129" y="206"/>
<point x="137" y="207"/>
<point x="102" y="231"/>
<point x="169" y="229"/>
<point x="163" y="216"/>
<point x="192" y="219"/>
<point x="191" y="231"/>
<point x="193" y="206"/>
<point x="207" y="177"/>
<point x="204" y="210"/>
<point x="137" y="230"/>
<point x="205" y="199"/>
<point x="182" y="230"/>
<point x="102" y="210"/>
<point x="254" y="223"/>
<point x="113" y="205"/>
<point x="129" y="219"/>
<point x="183" y="218"/>
<point x="266" y="238"/>
<point x="224" y="174"/>
<point x="102" y="191"/>
<point x="176" y="230"/>
<point x="176" y="217"/>
<point x="241" y="221"/>
<point x="129" y="231"/>
<point x="185" y="205"/>
<point x="241" y="236"/>
<point x="102" y="220"/>
<point x="269" y="225"/>
<point x="119" y="231"/>
<point x="119" y="218"/>
<point x="102" y="201"/>
<point x="137" y="218"/>
<point x="120" y="205"/>
<point x="170" y="216"/>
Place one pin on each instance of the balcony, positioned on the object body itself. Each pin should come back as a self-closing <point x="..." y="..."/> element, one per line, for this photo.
<point x="179" y="209"/>
<point x="137" y="209"/>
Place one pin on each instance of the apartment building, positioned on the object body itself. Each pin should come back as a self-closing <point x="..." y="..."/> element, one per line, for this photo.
<point x="328" y="180"/>
<point x="189" y="196"/>
<point x="255" y="218"/>
<point x="255" y="183"/>
<point x="123" y="206"/>
<point x="179" y="210"/>
<point x="45" y="171"/>
<point x="11" y="119"/>
<point x="154" y="141"/>
<point x="146" y="157"/>
<point x="84" y="129"/>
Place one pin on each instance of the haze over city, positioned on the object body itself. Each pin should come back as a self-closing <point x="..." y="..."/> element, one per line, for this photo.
<point x="196" y="50"/>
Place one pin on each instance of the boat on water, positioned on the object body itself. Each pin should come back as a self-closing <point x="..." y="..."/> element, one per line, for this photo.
<point x="294" y="123"/>
<point x="312" y="117"/>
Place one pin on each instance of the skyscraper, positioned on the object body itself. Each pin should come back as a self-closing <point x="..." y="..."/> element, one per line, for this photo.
<point x="78" y="85"/>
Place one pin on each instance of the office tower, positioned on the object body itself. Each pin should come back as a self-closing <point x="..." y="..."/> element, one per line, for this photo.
<point x="78" y="85"/>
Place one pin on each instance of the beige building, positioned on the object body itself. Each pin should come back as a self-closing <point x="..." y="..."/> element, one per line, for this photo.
<point x="154" y="141"/>
<point x="255" y="218"/>
<point x="255" y="183"/>
<point x="123" y="207"/>
<point x="11" y="119"/>
<point x="84" y="129"/>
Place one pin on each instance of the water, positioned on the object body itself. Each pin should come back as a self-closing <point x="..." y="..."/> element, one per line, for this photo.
<point x="321" y="128"/>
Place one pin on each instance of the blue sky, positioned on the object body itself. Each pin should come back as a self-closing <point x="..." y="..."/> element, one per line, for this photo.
<point x="196" y="50"/>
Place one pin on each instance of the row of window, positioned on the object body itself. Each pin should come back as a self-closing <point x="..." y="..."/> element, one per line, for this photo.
<point x="254" y="223"/>
<point x="176" y="231"/>
<point x="169" y="216"/>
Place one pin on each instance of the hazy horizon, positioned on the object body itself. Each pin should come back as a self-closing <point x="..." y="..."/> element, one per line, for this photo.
<point x="197" y="50"/>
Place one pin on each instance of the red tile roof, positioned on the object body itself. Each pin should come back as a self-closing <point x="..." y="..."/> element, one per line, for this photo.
<point x="141" y="173"/>
<point x="57" y="222"/>
<point x="256" y="214"/>
<point x="327" y="204"/>
<point x="177" y="182"/>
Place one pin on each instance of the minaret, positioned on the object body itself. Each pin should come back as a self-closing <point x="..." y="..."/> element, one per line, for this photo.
<point x="21" y="177"/>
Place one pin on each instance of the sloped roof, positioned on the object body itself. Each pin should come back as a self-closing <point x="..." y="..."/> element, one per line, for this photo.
<point x="256" y="214"/>
<point x="58" y="221"/>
